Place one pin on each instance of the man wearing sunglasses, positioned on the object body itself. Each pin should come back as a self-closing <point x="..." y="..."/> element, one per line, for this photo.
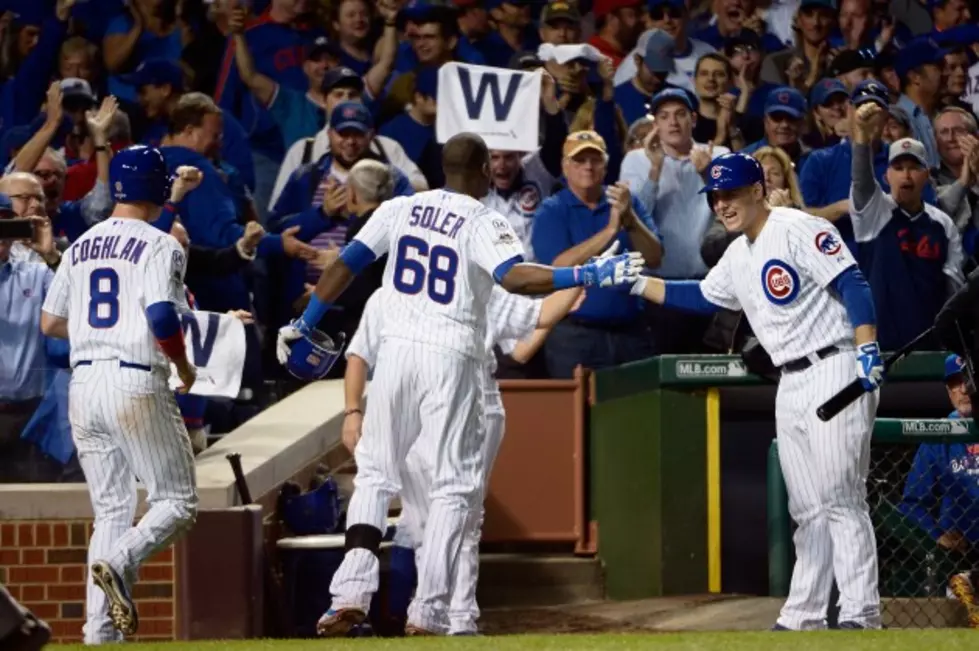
<point x="672" y="17"/>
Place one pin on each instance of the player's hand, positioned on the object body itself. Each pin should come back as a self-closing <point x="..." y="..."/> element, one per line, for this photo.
<point x="639" y="287"/>
<point x="242" y="315"/>
<point x="188" y="375"/>
<point x="868" y="123"/>
<point x="870" y="366"/>
<point x="352" y="427"/>
<point x="296" y="248"/>
<point x="325" y="257"/>
<point x="622" y="269"/>
<point x="287" y="335"/>
<point x="186" y="180"/>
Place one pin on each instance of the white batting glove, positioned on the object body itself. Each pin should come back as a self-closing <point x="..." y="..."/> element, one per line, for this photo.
<point x="283" y="344"/>
<point x="623" y="269"/>
<point x="607" y="253"/>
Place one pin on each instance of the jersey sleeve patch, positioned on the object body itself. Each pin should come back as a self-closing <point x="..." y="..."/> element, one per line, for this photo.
<point x="827" y="243"/>
<point x="504" y="231"/>
<point x="178" y="265"/>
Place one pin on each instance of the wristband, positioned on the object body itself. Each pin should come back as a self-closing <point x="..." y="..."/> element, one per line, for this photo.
<point x="565" y="277"/>
<point x="312" y="315"/>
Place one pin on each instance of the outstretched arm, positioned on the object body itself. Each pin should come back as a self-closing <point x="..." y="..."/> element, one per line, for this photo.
<point x="554" y="308"/>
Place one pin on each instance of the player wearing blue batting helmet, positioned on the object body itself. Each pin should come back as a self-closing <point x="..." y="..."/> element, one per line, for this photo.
<point x="726" y="176"/>
<point x="139" y="174"/>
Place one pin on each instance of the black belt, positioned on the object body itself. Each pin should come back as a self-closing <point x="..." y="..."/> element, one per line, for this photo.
<point x="803" y="363"/>
<point x="122" y="364"/>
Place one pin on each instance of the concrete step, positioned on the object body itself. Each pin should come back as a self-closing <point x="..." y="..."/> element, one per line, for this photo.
<point x="519" y="580"/>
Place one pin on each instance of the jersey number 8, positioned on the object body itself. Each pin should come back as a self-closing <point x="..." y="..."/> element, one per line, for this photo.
<point x="411" y="274"/>
<point x="103" y="308"/>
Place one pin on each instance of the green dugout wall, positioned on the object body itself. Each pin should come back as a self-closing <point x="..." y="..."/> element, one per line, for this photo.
<point x="677" y="482"/>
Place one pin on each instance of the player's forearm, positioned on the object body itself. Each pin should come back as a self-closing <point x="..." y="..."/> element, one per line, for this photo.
<point x="556" y="306"/>
<point x="165" y="325"/>
<point x="581" y="253"/>
<point x="354" y="382"/>
<point x="335" y="277"/>
<point x="528" y="347"/>
<point x="654" y="290"/>
<point x="864" y="334"/>
<point x="54" y="326"/>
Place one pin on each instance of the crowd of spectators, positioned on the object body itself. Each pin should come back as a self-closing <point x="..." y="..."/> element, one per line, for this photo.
<point x="275" y="101"/>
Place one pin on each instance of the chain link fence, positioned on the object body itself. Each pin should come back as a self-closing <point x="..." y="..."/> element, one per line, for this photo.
<point x="923" y="493"/>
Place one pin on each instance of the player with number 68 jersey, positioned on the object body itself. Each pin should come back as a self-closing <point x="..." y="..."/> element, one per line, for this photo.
<point x="445" y="250"/>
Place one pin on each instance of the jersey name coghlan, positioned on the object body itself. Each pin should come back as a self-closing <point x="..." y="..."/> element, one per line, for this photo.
<point x="780" y="282"/>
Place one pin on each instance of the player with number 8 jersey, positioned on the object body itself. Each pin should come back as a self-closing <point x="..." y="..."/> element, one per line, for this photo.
<point x="117" y="297"/>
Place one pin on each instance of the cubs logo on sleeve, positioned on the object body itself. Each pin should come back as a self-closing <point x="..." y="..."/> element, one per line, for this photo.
<point x="828" y="244"/>
<point x="528" y="199"/>
<point x="504" y="231"/>
<point x="780" y="282"/>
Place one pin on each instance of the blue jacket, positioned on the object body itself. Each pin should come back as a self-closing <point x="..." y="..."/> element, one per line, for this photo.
<point x="294" y="208"/>
<point x="941" y="492"/>
<point x="49" y="428"/>
<point x="24" y="94"/>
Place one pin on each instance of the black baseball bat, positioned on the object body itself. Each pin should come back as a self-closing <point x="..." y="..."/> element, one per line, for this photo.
<point x="240" y="483"/>
<point x="855" y="389"/>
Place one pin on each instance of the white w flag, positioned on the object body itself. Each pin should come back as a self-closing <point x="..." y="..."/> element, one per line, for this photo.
<point x="502" y="106"/>
<point x="216" y="347"/>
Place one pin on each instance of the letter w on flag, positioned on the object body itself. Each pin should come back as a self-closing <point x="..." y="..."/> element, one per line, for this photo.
<point x="502" y="106"/>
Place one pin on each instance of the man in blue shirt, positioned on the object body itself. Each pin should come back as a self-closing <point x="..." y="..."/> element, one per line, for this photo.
<point x="652" y="69"/>
<point x="578" y="223"/>
<point x="911" y="252"/>
<point x="785" y="116"/>
<point x="414" y="128"/>
<point x="23" y="286"/>
<point x="941" y="492"/>
<point x="919" y="67"/>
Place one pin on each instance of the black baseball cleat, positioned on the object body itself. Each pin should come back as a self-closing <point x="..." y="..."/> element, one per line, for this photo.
<point x="31" y="636"/>
<point x="122" y="608"/>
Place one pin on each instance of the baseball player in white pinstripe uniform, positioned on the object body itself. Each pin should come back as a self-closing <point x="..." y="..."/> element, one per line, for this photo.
<point x="117" y="297"/>
<point x="446" y="252"/>
<point x="811" y="309"/>
<point x="518" y="325"/>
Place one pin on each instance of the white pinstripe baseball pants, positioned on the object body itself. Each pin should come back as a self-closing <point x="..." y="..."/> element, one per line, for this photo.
<point x="463" y="608"/>
<point x="825" y="466"/>
<point x="126" y="425"/>
<point x="417" y="391"/>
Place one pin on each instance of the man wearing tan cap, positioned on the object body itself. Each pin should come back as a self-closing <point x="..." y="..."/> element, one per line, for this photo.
<point x="577" y="223"/>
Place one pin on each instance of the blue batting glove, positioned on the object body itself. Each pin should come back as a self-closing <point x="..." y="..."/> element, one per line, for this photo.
<point x="870" y="366"/>
<point x="622" y="269"/>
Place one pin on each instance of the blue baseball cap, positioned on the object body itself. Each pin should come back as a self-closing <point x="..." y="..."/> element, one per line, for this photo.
<point x="341" y="77"/>
<point x="157" y="72"/>
<point x="917" y="53"/>
<point x="825" y="89"/>
<point x="6" y="205"/>
<point x="826" y="4"/>
<point x="659" y="53"/>
<point x="871" y="90"/>
<point x="670" y="95"/>
<point x="786" y="100"/>
<point x="427" y="81"/>
<point x="650" y="4"/>
<point x="954" y="365"/>
<point x="351" y="115"/>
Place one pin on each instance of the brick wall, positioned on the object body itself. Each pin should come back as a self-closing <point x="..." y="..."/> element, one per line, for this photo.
<point x="42" y="563"/>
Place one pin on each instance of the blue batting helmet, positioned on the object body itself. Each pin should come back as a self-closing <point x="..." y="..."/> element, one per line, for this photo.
<point x="732" y="171"/>
<point x="139" y="173"/>
<point x="312" y="357"/>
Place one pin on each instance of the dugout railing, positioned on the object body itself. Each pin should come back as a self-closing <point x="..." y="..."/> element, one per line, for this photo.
<point x="914" y="495"/>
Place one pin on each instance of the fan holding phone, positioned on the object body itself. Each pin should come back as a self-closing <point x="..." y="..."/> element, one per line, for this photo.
<point x="25" y="233"/>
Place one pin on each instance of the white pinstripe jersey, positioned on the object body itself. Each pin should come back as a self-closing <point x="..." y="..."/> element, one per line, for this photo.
<point x="510" y="318"/>
<point x="443" y="248"/>
<point x="781" y="282"/>
<point x="106" y="280"/>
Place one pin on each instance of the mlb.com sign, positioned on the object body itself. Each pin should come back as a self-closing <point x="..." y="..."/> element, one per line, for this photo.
<point x="710" y="368"/>
<point x="935" y="427"/>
